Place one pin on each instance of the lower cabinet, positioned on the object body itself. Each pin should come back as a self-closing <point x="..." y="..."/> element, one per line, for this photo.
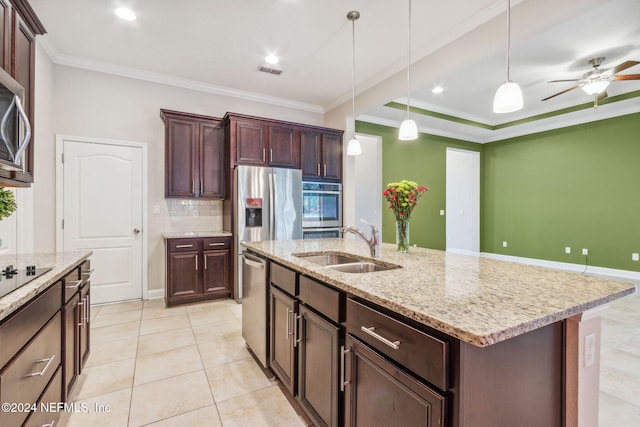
<point x="76" y="316"/>
<point x="305" y="343"/>
<point x="198" y="269"/>
<point x="380" y="394"/>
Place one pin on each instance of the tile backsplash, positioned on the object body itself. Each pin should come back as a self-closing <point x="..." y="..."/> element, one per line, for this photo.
<point x="188" y="207"/>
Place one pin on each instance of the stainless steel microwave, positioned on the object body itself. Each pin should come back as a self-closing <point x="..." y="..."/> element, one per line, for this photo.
<point x="15" y="129"/>
<point x="321" y="204"/>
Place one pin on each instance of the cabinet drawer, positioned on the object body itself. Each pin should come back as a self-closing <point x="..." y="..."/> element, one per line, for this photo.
<point x="213" y="243"/>
<point x="25" y="378"/>
<point x="48" y="412"/>
<point x="85" y="270"/>
<point x="321" y="297"/>
<point x="18" y="330"/>
<point x="184" y="245"/>
<point x="71" y="283"/>
<point x="284" y="278"/>
<point x="417" y="351"/>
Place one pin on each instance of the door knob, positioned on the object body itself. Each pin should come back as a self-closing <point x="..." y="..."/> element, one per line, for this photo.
<point x="136" y="231"/>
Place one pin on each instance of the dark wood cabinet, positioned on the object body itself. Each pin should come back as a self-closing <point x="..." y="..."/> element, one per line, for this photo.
<point x="194" y="156"/>
<point x="19" y="26"/>
<point x="378" y="393"/>
<point x="282" y="359"/>
<point x="262" y="142"/>
<point x="318" y="361"/>
<point x="197" y="269"/>
<point x="321" y="153"/>
<point x="304" y="342"/>
<point x="76" y="314"/>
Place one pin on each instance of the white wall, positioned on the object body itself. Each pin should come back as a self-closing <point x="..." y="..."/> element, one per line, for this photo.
<point x="99" y="105"/>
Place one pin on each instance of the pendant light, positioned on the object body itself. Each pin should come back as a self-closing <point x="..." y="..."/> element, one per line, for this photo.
<point x="408" y="128"/>
<point x="353" y="148"/>
<point x="508" y="96"/>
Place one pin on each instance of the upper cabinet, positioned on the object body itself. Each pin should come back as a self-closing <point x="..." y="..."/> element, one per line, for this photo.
<point x="261" y="142"/>
<point x="194" y="156"/>
<point x="321" y="154"/>
<point x="19" y="26"/>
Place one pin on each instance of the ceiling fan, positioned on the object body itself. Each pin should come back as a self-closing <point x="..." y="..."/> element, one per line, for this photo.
<point x="595" y="82"/>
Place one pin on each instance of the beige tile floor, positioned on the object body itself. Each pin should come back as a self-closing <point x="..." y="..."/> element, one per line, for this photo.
<point x="184" y="366"/>
<point x="188" y="366"/>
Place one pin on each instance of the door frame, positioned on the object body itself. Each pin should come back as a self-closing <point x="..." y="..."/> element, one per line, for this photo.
<point x="60" y="139"/>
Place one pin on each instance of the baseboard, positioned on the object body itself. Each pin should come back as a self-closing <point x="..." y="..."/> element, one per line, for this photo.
<point x="155" y="293"/>
<point x="565" y="266"/>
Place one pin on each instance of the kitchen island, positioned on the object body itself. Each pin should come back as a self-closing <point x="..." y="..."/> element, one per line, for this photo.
<point x="519" y="344"/>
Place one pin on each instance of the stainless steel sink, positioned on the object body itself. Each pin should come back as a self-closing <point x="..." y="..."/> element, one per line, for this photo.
<point x="328" y="259"/>
<point x="360" y="267"/>
<point x="346" y="263"/>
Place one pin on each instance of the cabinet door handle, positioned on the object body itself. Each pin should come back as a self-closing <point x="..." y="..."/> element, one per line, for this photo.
<point x="371" y="331"/>
<point x="183" y="246"/>
<point x="296" y="340"/>
<point x="270" y="155"/>
<point x="289" y="333"/>
<point x="50" y="424"/>
<point x="75" y="286"/>
<point x="41" y="373"/>
<point x="318" y="169"/>
<point x="201" y="186"/>
<point x="205" y="261"/>
<point x="196" y="262"/>
<point x="325" y="170"/>
<point x="343" y="361"/>
<point x="193" y="186"/>
<point x="88" y="273"/>
<point x="264" y="154"/>
<point x="86" y="311"/>
<point x="81" y="312"/>
<point x="216" y="244"/>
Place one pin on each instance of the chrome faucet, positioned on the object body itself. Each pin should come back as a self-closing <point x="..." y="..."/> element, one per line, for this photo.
<point x="373" y="242"/>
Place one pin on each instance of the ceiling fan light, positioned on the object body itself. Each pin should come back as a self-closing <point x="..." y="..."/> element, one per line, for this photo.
<point x="594" y="88"/>
<point x="408" y="130"/>
<point x="508" y="98"/>
<point x="354" y="148"/>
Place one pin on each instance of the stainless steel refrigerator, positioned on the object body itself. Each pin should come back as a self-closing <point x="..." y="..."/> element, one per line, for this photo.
<point x="268" y="206"/>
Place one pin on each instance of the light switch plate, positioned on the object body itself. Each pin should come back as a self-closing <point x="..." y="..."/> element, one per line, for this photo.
<point x="567" y="250"/>
<point x="635" y="257"/>
<point x="585" y="251"/>
<point x="504" y="244"/>
<point x="442" y="212"/>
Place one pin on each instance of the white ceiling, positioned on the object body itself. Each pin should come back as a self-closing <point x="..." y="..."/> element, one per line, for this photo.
<point x="459" y="44"/>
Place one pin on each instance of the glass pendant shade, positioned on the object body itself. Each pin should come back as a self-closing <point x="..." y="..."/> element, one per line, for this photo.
<point x="508" y="98"/>
<point x="408" y="130"/>
<point x="354" y="148"/>
<point x="595" y="88"/>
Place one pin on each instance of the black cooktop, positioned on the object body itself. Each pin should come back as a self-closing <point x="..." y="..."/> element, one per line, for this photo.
<point x="12" y="278"/>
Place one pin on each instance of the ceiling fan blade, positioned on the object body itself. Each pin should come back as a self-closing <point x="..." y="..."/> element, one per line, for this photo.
<point x="560" y="93"/>
<point x="627" y="77"/>
<point x="569" y="80"/>
<point x="624" y="66"/>
<point x="602" y="95"/>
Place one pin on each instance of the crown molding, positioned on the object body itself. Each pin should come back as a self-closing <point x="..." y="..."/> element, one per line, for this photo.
<point x="134" y="73"/>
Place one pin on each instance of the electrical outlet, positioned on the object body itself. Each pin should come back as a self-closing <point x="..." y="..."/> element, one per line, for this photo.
<point x="567" y="250"/>
<point x="635" y="257"/>
<point x="589" y="350"/>
<point x="156" y="209"/>
<point x="504" y="244"/>
<point x="585" y="251"/>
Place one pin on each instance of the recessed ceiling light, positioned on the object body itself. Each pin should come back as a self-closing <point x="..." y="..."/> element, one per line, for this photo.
<point x="437" y="89"/>
<point x="126" y="14"/>
<point x="271" y="59"/>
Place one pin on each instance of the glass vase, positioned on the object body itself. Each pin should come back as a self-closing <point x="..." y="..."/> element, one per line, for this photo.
<point x="402" y="236"/>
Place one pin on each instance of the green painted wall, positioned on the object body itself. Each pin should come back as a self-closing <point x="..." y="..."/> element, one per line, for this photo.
<point x="422" y="161"/>
<point x="577" y="186"/>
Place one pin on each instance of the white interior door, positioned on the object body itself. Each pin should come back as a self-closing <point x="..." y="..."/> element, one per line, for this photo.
<point x="103" y="212"/>
<point x="463" y="201"/>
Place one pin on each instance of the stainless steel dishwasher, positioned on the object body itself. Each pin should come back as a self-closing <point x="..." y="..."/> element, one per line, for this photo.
<point x="254" y="305"/>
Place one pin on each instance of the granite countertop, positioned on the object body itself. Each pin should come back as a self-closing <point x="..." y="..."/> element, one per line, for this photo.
<point x="478" y="300"/>
<point x="60" y="262"/>
<point x="188" y="234"/>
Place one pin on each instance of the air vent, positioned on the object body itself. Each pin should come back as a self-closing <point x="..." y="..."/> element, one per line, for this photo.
<point x="270" y="70"/>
